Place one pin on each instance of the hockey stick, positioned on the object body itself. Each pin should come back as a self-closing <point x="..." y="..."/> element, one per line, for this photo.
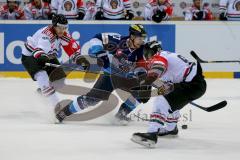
<point x="72" y="67"/>
<point x="204" y="61"/>
<point x="54" y="65"/>
<point x="69" y="66"/>
<point x="154" y="92"/>
<point x="211" y="108"/>
<point x="207" y="109"/>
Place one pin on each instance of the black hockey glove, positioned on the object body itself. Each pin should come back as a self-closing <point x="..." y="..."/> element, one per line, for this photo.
<point x="102" y="59"/>
<point x="44" y="58"/>
<point x="78" y="59"/>
<point x="51" y="15"/>
<point x="99" y="15"/>
<point x="199" y="15"/>
<point x="222" y="16"/>
<point x="129" y="15"/>
<point x="159" y="16"/>
<point x="80" y="16"/>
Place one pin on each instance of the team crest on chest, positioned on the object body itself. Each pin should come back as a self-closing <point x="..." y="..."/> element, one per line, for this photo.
<point x="237" y="5"/>
<point x="114" y="4"/>
<point x="68" y="5"/>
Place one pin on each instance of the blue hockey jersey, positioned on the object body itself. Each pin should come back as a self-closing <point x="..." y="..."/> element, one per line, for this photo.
<point x="112" y="48"/>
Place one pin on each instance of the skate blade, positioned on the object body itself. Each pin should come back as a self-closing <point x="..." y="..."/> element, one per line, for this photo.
<point x="146" y="143"/>
<point x="168" y="136"/>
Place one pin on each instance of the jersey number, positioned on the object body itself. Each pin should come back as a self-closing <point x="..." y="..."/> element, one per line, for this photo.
<point x="183" y="58"/>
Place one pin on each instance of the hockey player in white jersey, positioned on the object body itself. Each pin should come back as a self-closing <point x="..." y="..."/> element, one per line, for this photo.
<point x="12" y="11"/>
<point x="114" y="10"/>
<point x="43" y="47"/>
<point x="37" y="9"/>
<point x="72" y="9"/>
<point x="188" y="85"/>
<point x="229" y="10"/>
<point x="158" y="10"/>
<point x="198" y="12"/>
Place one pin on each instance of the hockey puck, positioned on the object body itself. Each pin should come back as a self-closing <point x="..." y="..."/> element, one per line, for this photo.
<point x="184" y="126"/>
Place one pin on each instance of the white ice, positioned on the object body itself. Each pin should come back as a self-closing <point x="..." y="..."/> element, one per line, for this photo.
<point x="25" y="134"/>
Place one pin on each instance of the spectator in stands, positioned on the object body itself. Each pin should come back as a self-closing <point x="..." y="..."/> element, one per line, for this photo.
<point x="114" y="10"/>
<point x="37" y="9"/>
<point x="25" y="2"/>
<point x="72" y="9"/>
<point x="198" y="12"/>
<point x="229" y="10"/>
<point x="158" y="10"/>
<point x="12" y="10"/>
<point x="90" y="9"/>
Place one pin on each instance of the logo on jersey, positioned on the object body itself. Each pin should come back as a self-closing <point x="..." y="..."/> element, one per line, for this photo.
<point x="114" y="4"/>
<point x="68" y="5"/>
<point x="237" y="5"/>
<point x="75" y="45"/>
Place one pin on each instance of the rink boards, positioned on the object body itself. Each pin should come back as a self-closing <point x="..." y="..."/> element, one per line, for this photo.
<point x="206" y="38"/>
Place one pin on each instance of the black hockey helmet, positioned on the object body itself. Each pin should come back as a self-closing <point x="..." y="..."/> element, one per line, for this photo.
<point x="151" y="48"/>
<point x="59" y="20"/>
<point x="137" y="30"/>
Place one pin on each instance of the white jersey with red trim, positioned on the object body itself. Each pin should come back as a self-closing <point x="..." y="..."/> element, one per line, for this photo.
<point x="231" y="8"/>
<point x="16" y="14"/>
<point x="45" y="41"/>
<point x="151" y="8"/>
<point x="114" y="9"/>
<point x="179" y="69"/>
<point x="169" y="67"/>
<point x="69" y="8"/>
<point x="34" y="12"/>
<point x="190" y="13"/>
<point x="155" y="66"/>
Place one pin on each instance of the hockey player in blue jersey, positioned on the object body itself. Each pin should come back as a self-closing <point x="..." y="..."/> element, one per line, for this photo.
<point x="125" y="52"/>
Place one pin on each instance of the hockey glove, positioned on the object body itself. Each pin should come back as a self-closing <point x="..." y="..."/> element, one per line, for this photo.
<point x="80" y="16"/>
<point x="78" y="59"/>
<point x="159" y="16"/>
<point x="199" y="15"/>
<point x="166" y="88"/>
<point x="222" y="16"/>
<point x="99" y="15"/>
<point x="102" y="59"/>
<point x="129" y="15"/>
<point x="42" y="59"/>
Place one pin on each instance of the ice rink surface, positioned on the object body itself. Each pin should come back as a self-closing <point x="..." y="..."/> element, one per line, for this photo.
<point x="25" y="134"/>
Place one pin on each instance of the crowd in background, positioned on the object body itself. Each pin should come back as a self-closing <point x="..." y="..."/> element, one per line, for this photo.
<point x="153" y="10"/>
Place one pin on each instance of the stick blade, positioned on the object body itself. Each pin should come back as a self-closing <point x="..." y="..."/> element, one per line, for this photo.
<point x="217" y="106"/>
